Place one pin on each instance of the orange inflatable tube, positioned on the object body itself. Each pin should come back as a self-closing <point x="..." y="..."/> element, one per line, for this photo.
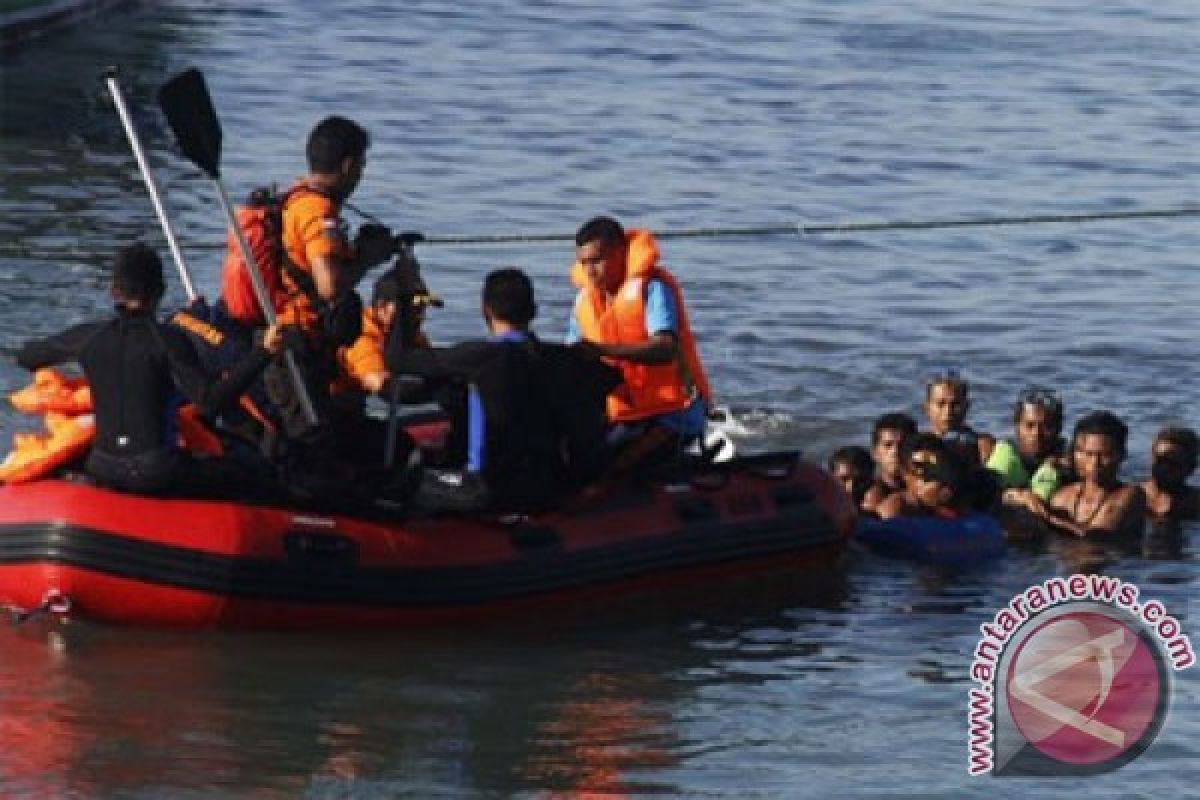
<point x="36" y="455"/>
<point x="53" y="391"/>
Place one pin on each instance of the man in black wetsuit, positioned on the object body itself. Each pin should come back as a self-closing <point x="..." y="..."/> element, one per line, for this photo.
<point x="534" y="419"/>
<point x="138" y="369"/>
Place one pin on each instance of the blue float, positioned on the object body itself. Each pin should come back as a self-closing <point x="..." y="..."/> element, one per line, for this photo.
<point x="960" y="541"/>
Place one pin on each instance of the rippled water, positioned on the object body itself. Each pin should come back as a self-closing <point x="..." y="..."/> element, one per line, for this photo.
<point x="504" y="117"/>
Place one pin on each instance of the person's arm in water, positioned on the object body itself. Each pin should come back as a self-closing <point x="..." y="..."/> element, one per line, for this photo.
<point x="58" y="349"/>
<point x="894" y="505"/>
<point x="191" y="379"/>
<point x="1122" y="514"/>
<point x="1058" y="511"/>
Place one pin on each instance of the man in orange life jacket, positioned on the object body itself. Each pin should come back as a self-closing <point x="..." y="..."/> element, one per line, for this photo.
<point x="630" y="311"/>
<point x="321" y="267"/>
<point x="398" y="303"/>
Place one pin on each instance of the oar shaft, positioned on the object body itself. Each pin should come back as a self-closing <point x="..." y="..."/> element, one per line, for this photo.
<point x="139" y="155"/>
<point x="264" y="301"/>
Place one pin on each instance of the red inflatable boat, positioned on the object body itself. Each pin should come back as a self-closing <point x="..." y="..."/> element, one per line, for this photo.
<point x="86" y="552"/>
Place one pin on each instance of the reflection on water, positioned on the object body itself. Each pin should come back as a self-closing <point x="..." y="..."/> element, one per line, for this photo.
<point x="505" y="117"/>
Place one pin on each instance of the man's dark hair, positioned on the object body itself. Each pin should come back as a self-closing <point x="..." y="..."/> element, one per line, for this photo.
<point x="137" y="273"/>
<point x="386" y="289"/>
<point x="605" y="229"/>
<point x="1103" y="423"/>
<point x="1040" y="396"/>
<point x="893" y="421"/>
<point x="1183" y="438"/>
<point x="508" y="295"/>
<point x="853" y="456"/>
<point x="333" y="141"/>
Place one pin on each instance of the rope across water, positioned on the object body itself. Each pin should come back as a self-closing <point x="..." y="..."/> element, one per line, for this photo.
<point x="843" y="227"/>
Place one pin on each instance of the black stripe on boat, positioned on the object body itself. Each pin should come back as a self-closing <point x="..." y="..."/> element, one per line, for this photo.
<point x="318" y="571"/>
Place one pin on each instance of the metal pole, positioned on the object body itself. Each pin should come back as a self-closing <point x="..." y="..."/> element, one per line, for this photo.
<point x="114" y="88"/>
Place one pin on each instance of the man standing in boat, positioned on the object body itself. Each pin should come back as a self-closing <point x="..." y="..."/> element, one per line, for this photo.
<point x="630" y="310"/>
<point x="136" y="368"/>
<point x="321" y="267"/>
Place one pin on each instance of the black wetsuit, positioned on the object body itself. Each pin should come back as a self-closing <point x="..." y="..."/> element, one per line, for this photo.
<point x="543" y="406"/>
<point x="137" y="369"/>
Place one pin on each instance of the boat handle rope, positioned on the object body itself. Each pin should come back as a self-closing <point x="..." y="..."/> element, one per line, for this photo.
<point x="54" y="602"/>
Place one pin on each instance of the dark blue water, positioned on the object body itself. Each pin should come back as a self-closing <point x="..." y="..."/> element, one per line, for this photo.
<point x="503" y="117"/>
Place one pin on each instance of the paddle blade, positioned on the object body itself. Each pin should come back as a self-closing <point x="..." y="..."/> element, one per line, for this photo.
<point x="190" y="113"/>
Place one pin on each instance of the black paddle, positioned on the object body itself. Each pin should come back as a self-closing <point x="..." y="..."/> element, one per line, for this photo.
<point x="189" y="110"/>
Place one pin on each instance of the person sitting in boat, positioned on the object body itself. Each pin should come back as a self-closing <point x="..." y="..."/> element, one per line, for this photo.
<point x="320" y="268"/>
<point x="399" y="300"/>
<point x="137" y="368"/>
<point x="934" y="480"/>
<point x="947" y="400"/>
<point x="1173" y="458"/>
<point x="888" y="435"/>
<point x="1031" y="465"/>
<point x="630" y="310"/>
<point x="1099" y="503"/>
<point x="853" y="468"/>
<point x="534" y="412"/>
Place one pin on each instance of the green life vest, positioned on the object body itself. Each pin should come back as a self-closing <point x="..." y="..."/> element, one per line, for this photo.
<point x="1006" y="462"/>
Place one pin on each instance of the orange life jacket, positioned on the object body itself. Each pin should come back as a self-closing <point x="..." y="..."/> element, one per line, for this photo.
<point x="53" y="391"/>
<point x="649" y="390"/>
<point x="365" y="356"/>
<point x="262" y="224"/>
<point x="65" y="404"/>
<point x="35" y="455"/>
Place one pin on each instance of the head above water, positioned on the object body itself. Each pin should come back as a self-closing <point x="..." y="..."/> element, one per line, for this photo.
<point x="895" y="421"/>
<point x="935" y="475"/>
<point x="337" y="151"/>
<point x="137" y="278"/>
<point x="1098" y="446"/>
<point x="1173" y="456"/>
<point x="947" y="400"/>
<point x="853" y="468"/>
<point x="600" y="248"/>
<point x="888" y="435"/>
<point x="508" y="298"/>
<point x="1037" y="421"/>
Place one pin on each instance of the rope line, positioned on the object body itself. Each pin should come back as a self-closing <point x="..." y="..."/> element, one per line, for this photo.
<point x="844" y="227"/>
<point x="794" y="230"/>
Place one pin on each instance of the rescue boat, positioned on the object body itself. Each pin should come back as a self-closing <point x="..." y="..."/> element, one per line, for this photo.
<point x="78" y="550"/>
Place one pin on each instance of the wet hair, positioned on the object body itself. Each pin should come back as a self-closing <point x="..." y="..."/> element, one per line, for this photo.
<point x="947" y="377"/>
<point x="853" y="456"/>
<point x="137" y="273"/>
<point x="605" y="229"/>
<point x="1103" y="423"/>
<point x="1183" y="438"/>
<point x="893" y="421"/>
<point x="1041" y="397"/>
<point x="332" y="141"/>
<point x="508" y="295"/>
